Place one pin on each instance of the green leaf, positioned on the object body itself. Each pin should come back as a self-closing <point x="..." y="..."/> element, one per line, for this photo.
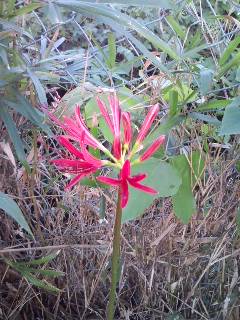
<point x="227" y="66"/>
<point x="27" y="9"/>
<point x="205" y="81"/>
<point x="231" y="118"/>
<point x="21" y="105"/>
<point x="183" y="201"/>
<point x="46" y="272"/>
<point x="13" y="134"/>
<point x="205" y="117"/>
<point x="40" y="283"/>
<point x="164" y="4"/>
<point x="40" y="261"/>
<point x="161" y="176"/>
<point x="164" y="128"/>
<point x="229" y="50"/>
<point x="112" y="50"/>
<point x="12" y="209"/>
<point x="176" y="27"/>
<point x="123" y="19"/>
<point x="173" y="101"/>
<point x="39" y="88"/>
<point x="7" y="25"/>
<point x="213" y="105"/>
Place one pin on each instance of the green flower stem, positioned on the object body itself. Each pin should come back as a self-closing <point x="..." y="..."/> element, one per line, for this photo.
<point x="115" y="259"/>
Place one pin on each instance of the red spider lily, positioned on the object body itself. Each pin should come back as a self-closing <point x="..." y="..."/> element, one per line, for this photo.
<point x="124" y="180"/>
<point x="82" y="163"/>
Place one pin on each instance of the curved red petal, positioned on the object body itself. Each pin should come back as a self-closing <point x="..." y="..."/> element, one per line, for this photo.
<point x="109" y="181"/>
<point x="105" y="113"/>
<point x="127" y="128"/>
<point x="126" y="170"/>
<point x="153" y="148"/>
<point x="153" y="112"/>
<point x="70" y="147"/>
<point x="137" y="178"/>
<point x="89" y="139"/>
<point x="124" y="194"/>
<point x="143" y="188"/>
<point x="90" y="158"/>
<point x="116" y="114"/>
<point x="117" y="148"/>
<point x="79" y="177"/>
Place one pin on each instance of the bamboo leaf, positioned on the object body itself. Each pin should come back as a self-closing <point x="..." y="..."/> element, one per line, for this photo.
<point x="123" y="19"/>
<point x="12" y="209"/>
<point x="13" y="134"/>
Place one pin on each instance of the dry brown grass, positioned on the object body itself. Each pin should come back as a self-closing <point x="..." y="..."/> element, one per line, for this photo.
<point x="169" y="270"/>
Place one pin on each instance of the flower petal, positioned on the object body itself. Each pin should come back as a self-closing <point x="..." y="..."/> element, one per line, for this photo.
<point x="73" y="166"/>
<point x="137" y="178"/>
<point x="153" y="148"/>
<point x="126" y="170"/>
<point x="147" y="123"/>
<point x="124" y="194"/>
<point x="109" y="181"/>
<point x="116" y="117"/>
<point x="127" y="128"/>
<point x="90" y="158"/>
<point x="89" y="139"/>
<point x="105" y="113"/>
<point x="142" y="187"/>
<point x="70" y="147"/>
<point x="79" y="177"/>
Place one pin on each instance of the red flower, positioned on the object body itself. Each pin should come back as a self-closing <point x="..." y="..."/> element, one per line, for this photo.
<point x="114" y="123"/>
<point x="153" y="148"/>
<point x="147" y="123"/>
<point x="81" y="162"/>
<point x="127" y="128"/>
<point x="124" y="180"/>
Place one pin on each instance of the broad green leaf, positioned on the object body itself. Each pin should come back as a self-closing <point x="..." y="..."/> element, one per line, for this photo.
<point x="205" y="81"/>
<point x="231" y="118"/>
<point x="213" y="105"/>
<point x="123" y="19"/>
<point x="13" y="134"/>
<point x="161" y="176"/>
<point x="77" y="96"/>
<point x="12" y="209"/>
<point x="190" y="170"/>
<point x="229" y="50"/>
